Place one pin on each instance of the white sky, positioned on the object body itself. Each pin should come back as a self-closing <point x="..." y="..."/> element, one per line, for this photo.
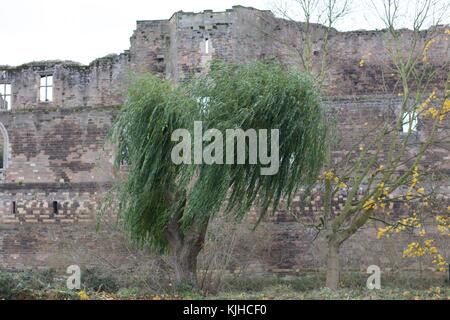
<point x="82" y="30"/>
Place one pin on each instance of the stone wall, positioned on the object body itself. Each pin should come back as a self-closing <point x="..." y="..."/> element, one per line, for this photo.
<point x="102" y="83"/>
<point x="59" y="164"/>
<point x="58" y="146"/>
<point x="55" y="203"/>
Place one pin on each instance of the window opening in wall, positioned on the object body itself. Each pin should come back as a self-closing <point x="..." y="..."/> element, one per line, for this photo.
<point x="46" y="88"/>
<point x="207" y="46"/>
<point x="2" y="150"/>
<point x="409" y="119"/>
<point x="55" y="207"/>
<point x="14" y="208"/>
<point x="5" y="96"/>
<point x="3" y="155"/>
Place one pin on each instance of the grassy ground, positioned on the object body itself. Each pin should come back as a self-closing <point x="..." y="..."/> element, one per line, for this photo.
<point x="271" y="293"/>
<point x="44" y="285"/>
<point x="286" y="293"/>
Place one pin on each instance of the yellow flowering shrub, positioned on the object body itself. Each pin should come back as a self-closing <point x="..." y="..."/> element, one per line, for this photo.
<point x="420" y="248"/>
<point x="400" y="226"/>
<point x="415" y="249"/>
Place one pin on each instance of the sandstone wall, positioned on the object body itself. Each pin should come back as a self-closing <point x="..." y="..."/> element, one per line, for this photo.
<point x="102" y="83"/>
<point x="56" y="151"/>
<point x="58" y="146"/>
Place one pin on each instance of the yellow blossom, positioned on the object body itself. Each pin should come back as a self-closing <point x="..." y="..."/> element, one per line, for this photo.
<point x="342" y="185"/>
<point x="426" y="48"/>
<point x="409" y="195"/>
<point x="328" y="175"/>
<point x="83" y="295"/>
<point x="369" y="205"/>
<point x="427" y="101"/>
<point x="384" y="231"/>
<point x="433" y="112"/>
<point x="445" y="110"/>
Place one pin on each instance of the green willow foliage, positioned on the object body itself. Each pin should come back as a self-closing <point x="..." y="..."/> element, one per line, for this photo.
<point x="258" y="95"/>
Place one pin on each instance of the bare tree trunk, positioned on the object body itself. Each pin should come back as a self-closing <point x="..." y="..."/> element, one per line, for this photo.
<point x="335" y="241"/>
<point x="333" y="265"/>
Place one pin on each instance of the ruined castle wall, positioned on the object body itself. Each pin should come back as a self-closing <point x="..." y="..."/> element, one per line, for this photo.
<point x="190" y="34"/>
<point x="149" y="47"/>
<point x="59" y="146"/>
<point x="245" y="34"/>
<point x="58" y="245"/>
<point x="176" y="48"/>
<point x="33" y="202"/>
<point x="57" y="152"/>
<point x="360" y="64"/>
<point x="36" y="236"/>
<point x="102" y="83"/>
<point x="59" y="155"/>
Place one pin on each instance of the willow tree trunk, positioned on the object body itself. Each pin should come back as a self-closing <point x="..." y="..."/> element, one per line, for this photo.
<point x="186" y="246"/>
<point x="332" y="280"/>
<point x="185" y="262"/>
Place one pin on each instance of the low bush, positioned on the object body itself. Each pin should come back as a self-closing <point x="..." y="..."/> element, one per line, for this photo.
<point x="93" y="280"/>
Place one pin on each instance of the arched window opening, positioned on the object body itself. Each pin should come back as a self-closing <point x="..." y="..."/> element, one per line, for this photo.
<point x="2" y="151"/>
<point x="4" y="154"/>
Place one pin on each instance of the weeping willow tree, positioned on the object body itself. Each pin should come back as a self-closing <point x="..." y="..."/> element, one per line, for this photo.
<point x="169" y="205"/>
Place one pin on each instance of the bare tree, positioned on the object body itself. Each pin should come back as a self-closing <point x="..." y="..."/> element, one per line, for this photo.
<point x="384" y="165"/>
<point x="318" y="19"/>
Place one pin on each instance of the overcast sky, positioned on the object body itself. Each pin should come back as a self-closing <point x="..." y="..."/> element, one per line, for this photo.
<point x="82" y="30"/>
